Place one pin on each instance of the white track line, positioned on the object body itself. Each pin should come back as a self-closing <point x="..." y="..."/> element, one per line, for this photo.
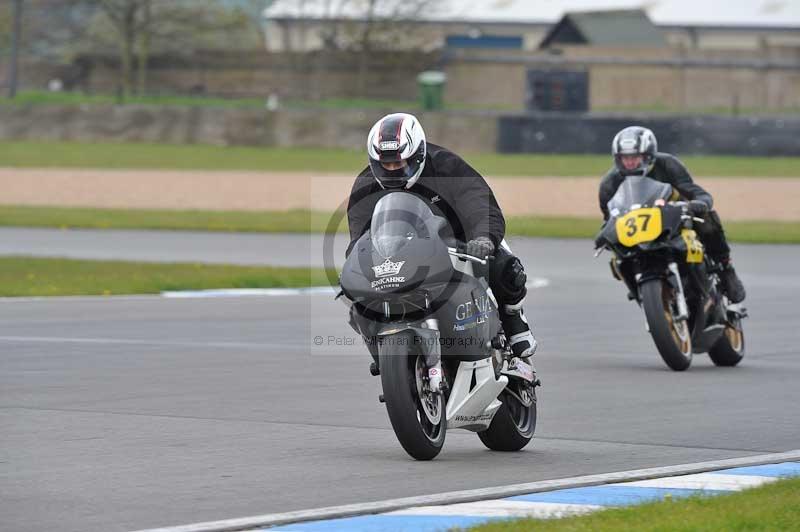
<point x="501" y="508"/>
<point x="332" y="512"/>
<point x="28" y="299"/>
<point x="250" y="292"/>
<point x="705" y="481"/>
<point x="536" y="282"/>
<point x="128" y="341"/>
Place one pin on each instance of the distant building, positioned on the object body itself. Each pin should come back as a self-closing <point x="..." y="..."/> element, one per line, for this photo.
<point x="605" y="28"/>
<point x="306" y="25"/>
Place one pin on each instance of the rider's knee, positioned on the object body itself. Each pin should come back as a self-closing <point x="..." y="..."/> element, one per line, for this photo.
<point x="507" y="279"/>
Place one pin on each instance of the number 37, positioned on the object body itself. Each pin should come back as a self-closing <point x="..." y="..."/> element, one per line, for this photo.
<point x="633" y="227"/>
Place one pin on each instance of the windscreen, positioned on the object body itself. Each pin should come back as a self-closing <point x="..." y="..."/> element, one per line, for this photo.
<point x="638" y="191"/>
<point x="399" y="218"/>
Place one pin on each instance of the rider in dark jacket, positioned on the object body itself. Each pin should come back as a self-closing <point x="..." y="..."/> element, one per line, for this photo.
<point x="636" y="153"/>
<point x="400" y="158"/>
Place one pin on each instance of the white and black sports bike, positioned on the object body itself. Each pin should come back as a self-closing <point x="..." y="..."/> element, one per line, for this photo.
<point x="435" y="333"/>
<point x="662" y="262"/>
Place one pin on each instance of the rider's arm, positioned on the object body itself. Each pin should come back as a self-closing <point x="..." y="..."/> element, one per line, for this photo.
<point x="360" y="206"/>
<point x="683" y="182"/>
<point x="608" y="187"/>
<point x="483" y="214"/>
<point x="474" y="200"/>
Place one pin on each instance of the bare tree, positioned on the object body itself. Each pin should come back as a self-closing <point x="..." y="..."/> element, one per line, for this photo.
<point x="66" y="30"/>
<point x="254" y="10"/>
<point x="383" y="26"/>
<point x="138" y="27"/>
<point x="14" y="59"/>
<point x="363" y="27"/>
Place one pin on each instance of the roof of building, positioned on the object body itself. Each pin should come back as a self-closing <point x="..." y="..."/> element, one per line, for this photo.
<point x="605" y="28"/>
<point x="741" y="13"/>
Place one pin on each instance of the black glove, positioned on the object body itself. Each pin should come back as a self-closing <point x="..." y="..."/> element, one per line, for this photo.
<point x="698" y="207"/>
<point x="480" y="247"/>
<point x="599" y="241"/>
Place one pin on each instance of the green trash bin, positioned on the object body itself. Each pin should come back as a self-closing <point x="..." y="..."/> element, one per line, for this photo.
<point x="431" y="90"/>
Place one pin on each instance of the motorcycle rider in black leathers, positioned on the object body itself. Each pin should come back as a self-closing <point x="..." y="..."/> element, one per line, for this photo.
<point x="400" y="158"/>
<point x="635" y="152"/>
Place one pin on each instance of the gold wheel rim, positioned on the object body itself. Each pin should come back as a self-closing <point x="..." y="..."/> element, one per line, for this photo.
<point x="734" y="337"/>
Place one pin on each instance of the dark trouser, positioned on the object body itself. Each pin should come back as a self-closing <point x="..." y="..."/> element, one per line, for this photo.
<point x="713" y="237"/>
<point x="507" y="278"/>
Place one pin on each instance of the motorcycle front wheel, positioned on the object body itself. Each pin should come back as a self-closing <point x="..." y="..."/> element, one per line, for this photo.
<point x="416" y="413"/>
<point x="671" y="336"/>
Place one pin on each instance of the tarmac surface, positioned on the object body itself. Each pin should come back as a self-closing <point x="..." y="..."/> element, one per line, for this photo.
<point x="131" y="412"/>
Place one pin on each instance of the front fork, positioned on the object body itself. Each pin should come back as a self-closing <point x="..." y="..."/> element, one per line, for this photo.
<point x="683" y="308"/>
<point x="432" y="350"/>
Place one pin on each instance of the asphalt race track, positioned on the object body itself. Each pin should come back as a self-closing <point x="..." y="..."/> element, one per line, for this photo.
<point x="134" y="412"/>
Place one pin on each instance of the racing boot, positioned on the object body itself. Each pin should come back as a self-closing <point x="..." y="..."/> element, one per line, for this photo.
<point x="517" y="330"/>
<point x="731" y="284"/>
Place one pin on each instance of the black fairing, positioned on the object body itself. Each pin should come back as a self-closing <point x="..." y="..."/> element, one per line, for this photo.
<point x="415" y="279"/>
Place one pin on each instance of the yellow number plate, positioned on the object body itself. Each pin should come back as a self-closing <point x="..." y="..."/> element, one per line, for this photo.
<point x="641" y="225"/>
<point x="694" y="248"/>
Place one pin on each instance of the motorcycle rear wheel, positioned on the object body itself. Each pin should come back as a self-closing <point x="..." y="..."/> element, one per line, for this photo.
<point x="399" y="363"/>
<point x="729" y="349"/>
<point x="671" y="336"/>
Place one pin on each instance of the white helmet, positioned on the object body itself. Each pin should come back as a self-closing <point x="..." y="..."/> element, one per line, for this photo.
<point x="396" y="138"/>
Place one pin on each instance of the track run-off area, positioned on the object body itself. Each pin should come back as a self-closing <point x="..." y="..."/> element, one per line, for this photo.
<point x="125" y="413"/>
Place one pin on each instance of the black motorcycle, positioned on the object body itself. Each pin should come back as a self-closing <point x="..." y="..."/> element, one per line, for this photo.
<point x="662" y="262"/>
<point x="431" y="324"/>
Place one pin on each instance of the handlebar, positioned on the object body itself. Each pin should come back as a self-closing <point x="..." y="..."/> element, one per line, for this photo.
<point x="695" y="218"/>
<point x="687" y="211"/>
<point x="460" y="252"/>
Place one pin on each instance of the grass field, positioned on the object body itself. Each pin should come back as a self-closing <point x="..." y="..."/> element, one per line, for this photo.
<point x="178" y="100"/>
<point x="24" y="276"/>
<point x="302" y="221"/>
<point x="78" y="98"/>
<point x="39" y="97"/>
<point x="770" y="507"/>
<point x="293" y="221"/>
<point x="204" y="157"/>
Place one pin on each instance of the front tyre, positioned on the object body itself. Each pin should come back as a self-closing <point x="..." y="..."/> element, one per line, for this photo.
<point x="671" y="336"/>
<point x="514" y="423"/>
<point x="417" y="415"/>
<point x="729" y="349"/>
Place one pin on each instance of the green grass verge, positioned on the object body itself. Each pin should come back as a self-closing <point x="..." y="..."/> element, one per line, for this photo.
<point x="78" y="98"/>
<point x="204" y="157"/>
<point x="25" y="276"/>
<point x="292" y="221"/>
<point x="40" y="97"/>
<point x="178" y="100"/>
<point x="304" y="221"/>
<point x="770" y="507"/>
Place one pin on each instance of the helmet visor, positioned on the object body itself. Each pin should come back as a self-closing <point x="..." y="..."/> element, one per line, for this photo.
<point x="394" y="178"/>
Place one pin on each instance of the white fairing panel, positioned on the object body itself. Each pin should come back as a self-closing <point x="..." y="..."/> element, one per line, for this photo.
<point x="474" y="409"/>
